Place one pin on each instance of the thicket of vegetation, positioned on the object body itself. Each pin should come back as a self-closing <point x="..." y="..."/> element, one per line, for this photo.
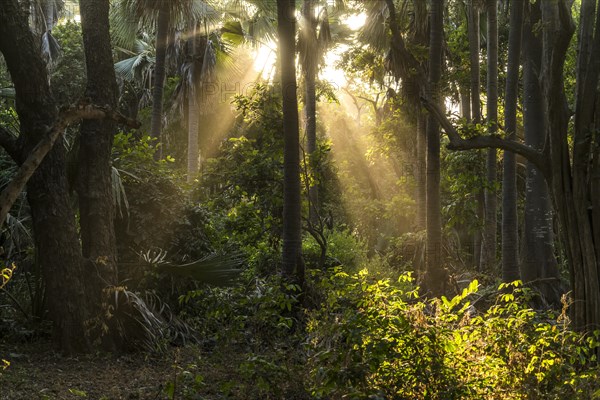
<point x="330" y="232"/>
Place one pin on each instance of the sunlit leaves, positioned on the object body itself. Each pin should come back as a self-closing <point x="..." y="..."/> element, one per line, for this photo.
<point x="6" y="274"/>
<point x="370" y="339"/>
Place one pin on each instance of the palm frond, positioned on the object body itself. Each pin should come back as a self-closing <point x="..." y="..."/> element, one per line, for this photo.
<point x="218" y="269"/>
<point x="375" y="32"/>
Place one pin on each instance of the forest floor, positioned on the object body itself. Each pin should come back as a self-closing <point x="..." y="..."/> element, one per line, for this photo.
<point x="38" y="372"/>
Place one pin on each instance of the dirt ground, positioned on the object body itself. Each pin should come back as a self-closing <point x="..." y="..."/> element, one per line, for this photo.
<point x="37" y="372"/>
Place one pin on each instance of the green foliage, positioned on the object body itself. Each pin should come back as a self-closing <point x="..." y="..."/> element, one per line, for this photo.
<point x="461" y="183"/>
<point x="159" y="220"/>
<point x="373" y="337"/>
<point x="68" y="73"/>
<point x="343" y="248"/>
<point x="242" y="185"/>
<point x="256" y="328"/>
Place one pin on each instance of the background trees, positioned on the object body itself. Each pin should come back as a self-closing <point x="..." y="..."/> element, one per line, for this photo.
<point x="386" y="174"/>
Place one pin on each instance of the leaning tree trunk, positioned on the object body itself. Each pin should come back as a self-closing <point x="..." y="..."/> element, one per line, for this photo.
<point x="292" y="223"/>
<point x="162" y="33"/>
<point x="488" y="248"/>
<point x="436" y="274"/>
<point x="56" y="239"/>
<point x="510" y="232"/>
<point x="538" y="261"/>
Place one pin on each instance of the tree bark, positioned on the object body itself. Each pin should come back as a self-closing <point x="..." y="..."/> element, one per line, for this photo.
<point x="538" y="261"/>
<point x="436" y="274"/>
<point x="510" y="233"/>
<point x="292" y="223"/>
<point x="309" y="69"/>
<point x="488" y="250"/>
<point x="421" y="189"/>
<point x="56" y="238"/>
<point x="193" y="110"/>
<point x="474" y="47"/>
<point x="94" y="186"/>
<point x="570" y="190"/>
<point x="162" y="33"/>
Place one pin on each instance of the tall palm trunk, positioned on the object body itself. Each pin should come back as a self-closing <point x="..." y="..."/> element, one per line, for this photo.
<point x="421" y="189"/>
<point x="193" y="111"/>
<point x="292" y="224"/>
<point x="162" y="32"/>
<point x="475" y="89"/>
<point x="436" y="277"/>
<point x="421" y="38"/>
<point x="488" y="250"/>
<point x="310" y="99"/>
<point x="510" y="260"/>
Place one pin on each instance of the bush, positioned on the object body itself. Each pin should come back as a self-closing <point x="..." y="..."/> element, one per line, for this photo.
<point x="374" y="338"/>
<point x="343" y="248"/>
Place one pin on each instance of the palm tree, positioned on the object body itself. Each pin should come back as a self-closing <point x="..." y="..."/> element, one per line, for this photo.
<point x="473" y="10"/>
<point x="510" y="261"/>
<point x="309" y="43"/>
<point x="132" y="15"/>
<point x="292" y="223"/>
<point x="315" y="36"/>
<point x="411" y="22"/>
<point x="488" y="249"/>
<point x="436" y="275"/>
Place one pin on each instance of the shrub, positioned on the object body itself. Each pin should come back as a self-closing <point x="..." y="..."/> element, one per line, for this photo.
<point x="374" y="338"/>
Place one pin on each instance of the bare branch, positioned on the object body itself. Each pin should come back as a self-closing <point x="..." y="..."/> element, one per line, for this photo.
<point x="483" y="142"/>
<point x="66" y="117"/>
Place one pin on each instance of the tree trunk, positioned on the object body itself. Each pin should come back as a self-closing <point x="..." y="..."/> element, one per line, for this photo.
<point x="310" y="99"/>
<point x="436" y="274"/>
<point x="421" y="189"/>
<point x="538" y="262"/>
<point x="571" y="187"/>
<point x="162" y="33"/>
<point x="475" y="89"/>
<point x="54" y="228"/>
<point x="488" y="248"/>
<point x="510" y="232"/>
<point x="94" y="186"/>
<point x="193" y="111"/>
<point x="49" y="7"/>
<point x="292" y="223"/>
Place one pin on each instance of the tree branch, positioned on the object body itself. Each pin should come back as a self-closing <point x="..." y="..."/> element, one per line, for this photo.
<point x="483" y="142"/>
<point x="71" y="115"/>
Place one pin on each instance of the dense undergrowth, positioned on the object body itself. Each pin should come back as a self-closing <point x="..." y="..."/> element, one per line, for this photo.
<point x="362" y="335"/>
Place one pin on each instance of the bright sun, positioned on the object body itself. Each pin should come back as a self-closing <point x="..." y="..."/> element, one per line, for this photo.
<point x="265" y="57"/>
